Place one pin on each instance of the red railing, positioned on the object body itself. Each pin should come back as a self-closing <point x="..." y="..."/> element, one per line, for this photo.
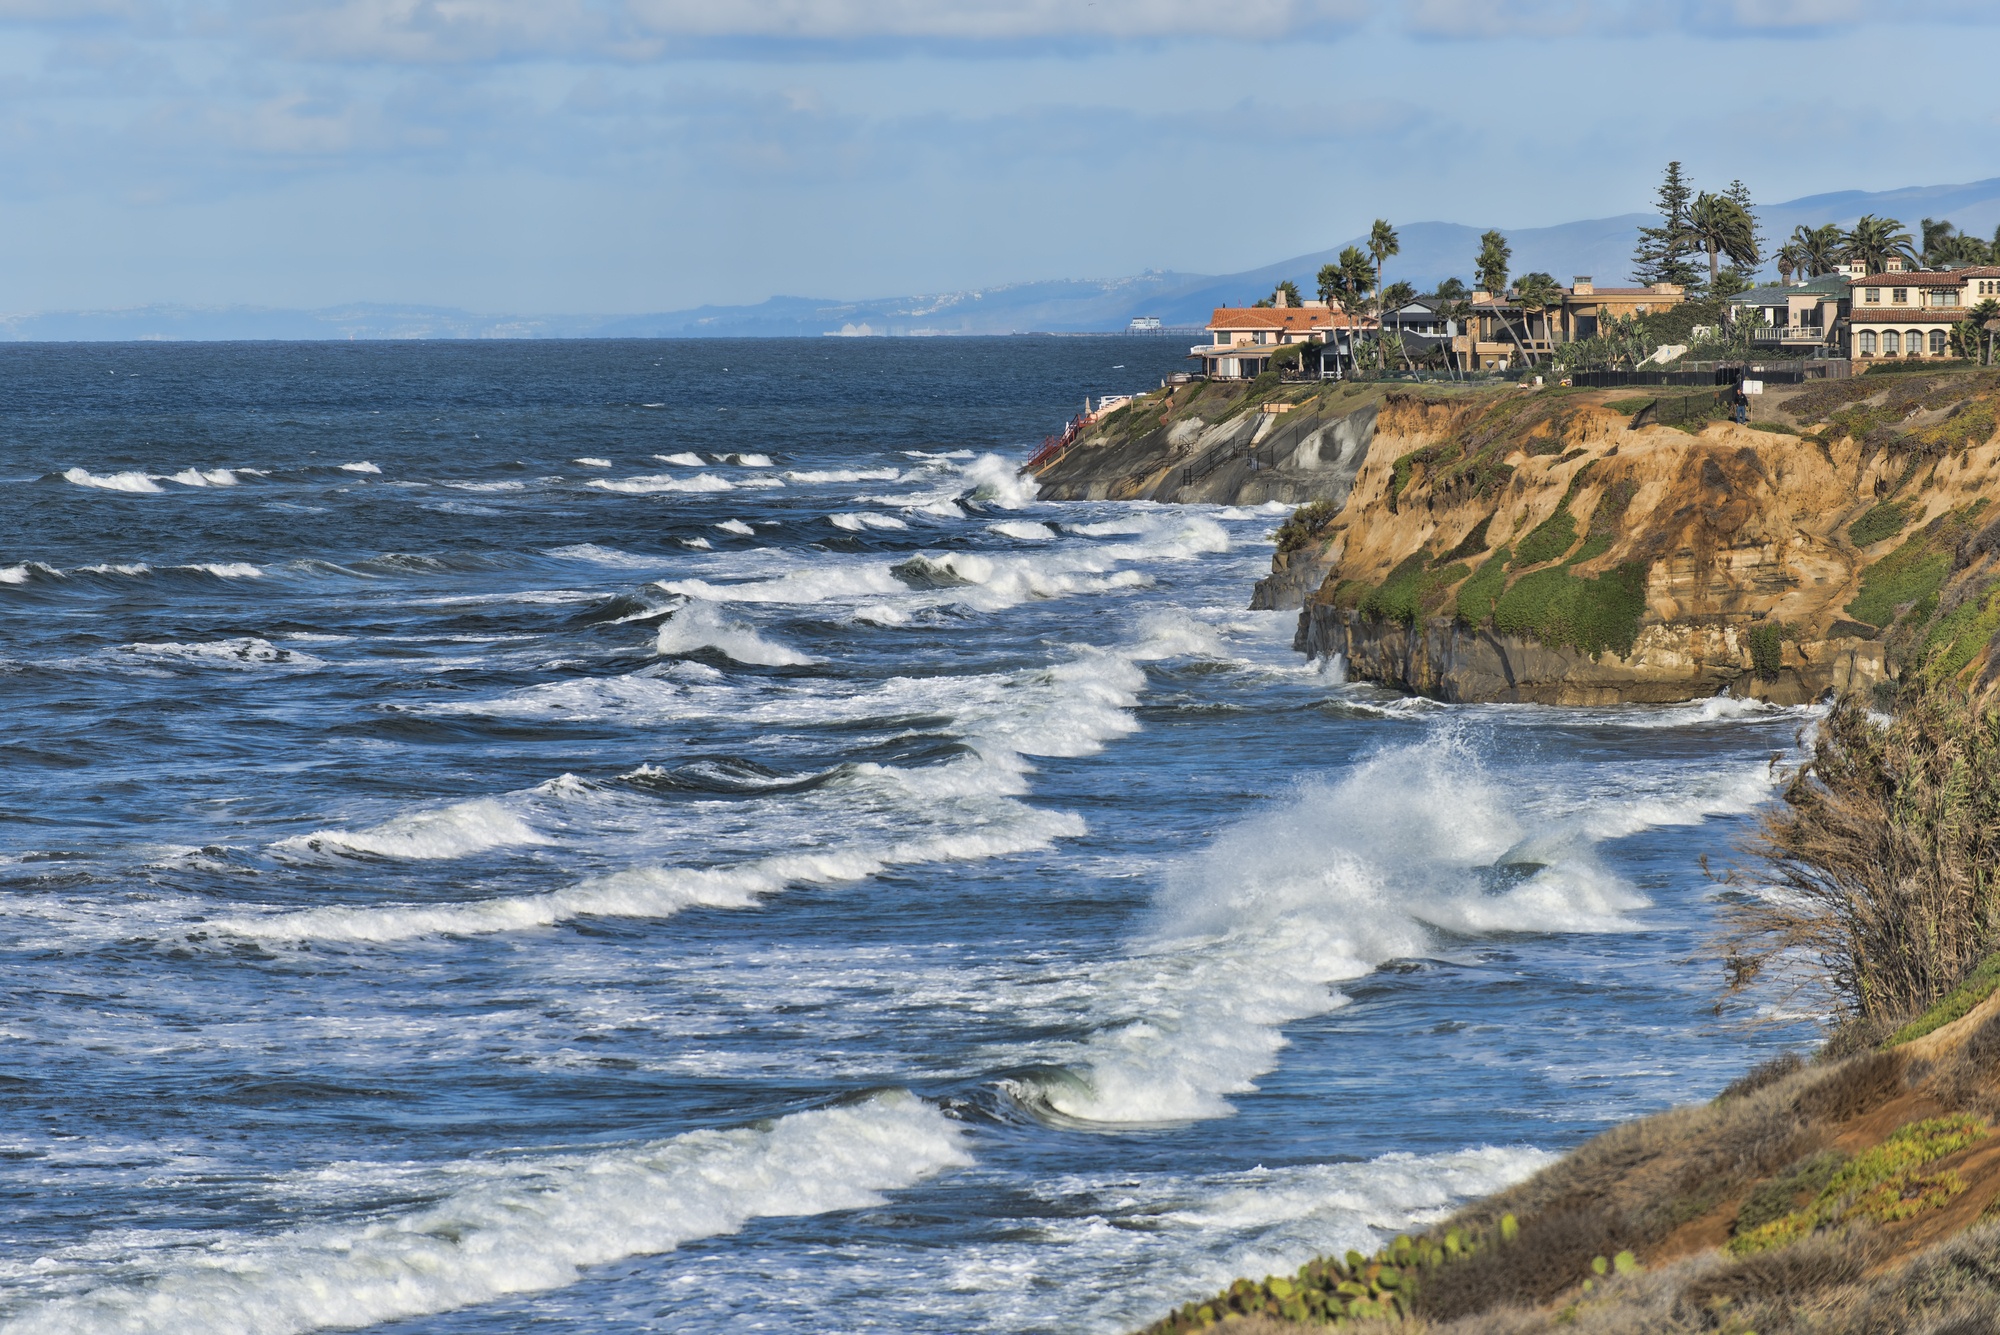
<point x="1053" y="446"/>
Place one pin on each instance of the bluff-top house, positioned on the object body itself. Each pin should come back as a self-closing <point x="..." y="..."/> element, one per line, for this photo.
<point x="1242" y="338"/>
<point x="1901" y="313"/>
<point x="1798" y="319"/>
<point x="1489" y="342"/>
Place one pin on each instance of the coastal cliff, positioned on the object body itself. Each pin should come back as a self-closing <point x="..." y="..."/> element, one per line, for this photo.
<point x="1559" y="547"/>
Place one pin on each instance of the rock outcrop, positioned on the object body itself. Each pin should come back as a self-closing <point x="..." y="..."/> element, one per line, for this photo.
<point x="1221" y="444"/>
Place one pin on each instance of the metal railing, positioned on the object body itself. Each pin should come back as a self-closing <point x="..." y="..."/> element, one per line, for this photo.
<point x="1052" y="447"/>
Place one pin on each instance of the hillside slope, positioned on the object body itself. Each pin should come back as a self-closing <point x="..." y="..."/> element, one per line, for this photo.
<point x="1850" y="1197"/>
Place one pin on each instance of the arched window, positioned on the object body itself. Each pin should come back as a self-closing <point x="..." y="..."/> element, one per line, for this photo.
<point x="1865" y="342"/>
<point x="1913" y="343"/>
<point x="1937" y="342"/>
<point x="1892" y="343"/>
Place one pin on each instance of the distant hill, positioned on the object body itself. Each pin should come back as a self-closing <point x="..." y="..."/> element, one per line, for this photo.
<point x="1600" y="247"/>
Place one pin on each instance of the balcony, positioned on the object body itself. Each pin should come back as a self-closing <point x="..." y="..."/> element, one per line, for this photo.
<point x="1790" y="335"/>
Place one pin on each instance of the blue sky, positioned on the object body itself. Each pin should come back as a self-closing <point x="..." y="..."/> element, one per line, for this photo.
<point x="641" y="155"/>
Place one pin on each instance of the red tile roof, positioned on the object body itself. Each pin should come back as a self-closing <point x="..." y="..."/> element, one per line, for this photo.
<point x="1954" y="278"/>
<point x="1296" y="319"/>
<point x="1911" y="314"/>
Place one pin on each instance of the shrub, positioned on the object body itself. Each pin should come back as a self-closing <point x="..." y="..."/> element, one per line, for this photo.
<point x="1880" y="848"/>
<point x="1305" y="525"/>
<point x="1885" y="1183"/>
<point x="1549" y="539"/>
<point x="1912" y="573"/>
<point x="1959" y="635"/>
<point x="1977" y="986"/>
<point x="1560" y="608"/>
<point x="1767" y="647"/>
<point x="1884" y="521"/>
<point x="1477" y="595"/>
<point x="1409" y="588"/>
<point x="1797" y="1184"/>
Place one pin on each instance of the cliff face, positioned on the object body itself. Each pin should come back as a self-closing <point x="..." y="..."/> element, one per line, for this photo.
<point x="1222" y="444"/>
<point x="1537" y="546"/>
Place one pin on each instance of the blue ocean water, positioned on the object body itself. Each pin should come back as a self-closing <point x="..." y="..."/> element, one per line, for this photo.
<point x="646" y="835"/>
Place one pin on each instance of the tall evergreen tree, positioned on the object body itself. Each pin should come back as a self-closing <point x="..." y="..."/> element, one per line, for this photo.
<point x="1760" y="244"/>
<point x="1665" y="254"/>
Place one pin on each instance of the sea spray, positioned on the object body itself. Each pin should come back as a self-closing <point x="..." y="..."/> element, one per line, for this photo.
<point x="1256" y="931"/>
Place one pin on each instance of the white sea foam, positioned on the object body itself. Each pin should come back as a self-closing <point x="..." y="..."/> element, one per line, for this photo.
<point x="882" y="614"/>
<point x="519" y="1226"/>
<point x="966" y="810"/>
<point x="1024" y="530"/>
<point x="737" y="526"/>
<point x="225" y="569"/>
<point x="604" y="556"/>
<point x="212" y="477"/>
<point x="845" y="475"/>
<point x="864" y="519"/>
<point x="745" y="460"/>
<point x="699" y="544"/>
<point x="1105" y="1252"/>
<point x="588" y="462"/>
<point x="135" y="569"/>
<point x="1256" y="931"/>
<point x="27" y="570"/>
<point x="685" y="459"/>
<point x="136" y="483"/>
<point x="699" y="625"/>
<point x="247" y="652"/>
<point x="655" y="483"/>
<point x="448" y="832"/>
<point x="362" y="467"/>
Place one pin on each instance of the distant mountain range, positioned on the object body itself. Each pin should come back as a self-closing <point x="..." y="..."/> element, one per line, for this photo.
<point x="1600" y="247"/>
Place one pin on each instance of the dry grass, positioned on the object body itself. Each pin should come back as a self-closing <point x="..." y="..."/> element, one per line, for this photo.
<point x="1881" y="856"/>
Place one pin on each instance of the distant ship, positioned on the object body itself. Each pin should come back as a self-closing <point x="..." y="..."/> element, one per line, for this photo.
<point x="1143" y="324"/>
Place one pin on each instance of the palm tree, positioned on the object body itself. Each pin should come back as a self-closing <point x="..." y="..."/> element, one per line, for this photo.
<point x="1872" y="242"/>
<point x="1346" y="283"/>
<point x="1490" y="272"/>
<point x="1453" y="304"/>
<point x="1394" y="297"/>
<point x="1382" y="244"/>
<point x="1979" y="317"/>
<point x="1538" y="293"/>
<point x="1821" y="246"/>
<point x="1721" y="226"/>
<point x="1791" y="259"/>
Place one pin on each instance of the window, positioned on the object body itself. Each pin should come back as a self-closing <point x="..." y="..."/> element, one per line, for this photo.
<point x="1899" y="296"/>
<point x="1222" y="338"/>
<point x="1865" y="341"/>
<point x="1892" y="343"/>
<point x="1945" y="297"/>
<point x="1873" y="296"/>
<point x="1937" y="342"/>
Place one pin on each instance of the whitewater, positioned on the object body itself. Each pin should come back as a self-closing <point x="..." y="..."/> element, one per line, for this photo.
<point x="624" y="835"/>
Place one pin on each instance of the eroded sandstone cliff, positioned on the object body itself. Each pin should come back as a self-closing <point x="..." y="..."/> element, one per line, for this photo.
<point x="1545" y="546"/>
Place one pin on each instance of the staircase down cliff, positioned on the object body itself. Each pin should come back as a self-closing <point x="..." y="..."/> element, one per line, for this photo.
<point x="1540" y="546"/>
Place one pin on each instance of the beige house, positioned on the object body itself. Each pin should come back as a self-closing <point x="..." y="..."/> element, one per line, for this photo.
<point x="1903" y="313"/>
<point x="1488" y="345"/>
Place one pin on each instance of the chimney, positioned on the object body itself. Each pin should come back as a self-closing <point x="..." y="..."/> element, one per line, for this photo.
<point x="1281" y="299"/>
<point x="1581" y="286"/>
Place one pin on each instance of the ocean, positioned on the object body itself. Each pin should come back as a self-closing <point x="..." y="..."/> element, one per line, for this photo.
<point x="616" y="836"/>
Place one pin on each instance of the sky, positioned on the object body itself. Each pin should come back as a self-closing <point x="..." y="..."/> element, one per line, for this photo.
<point x="569" y="156"/>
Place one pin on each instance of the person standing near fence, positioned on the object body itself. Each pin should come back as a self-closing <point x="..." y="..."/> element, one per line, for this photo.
<point x="1739" y="397"/>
